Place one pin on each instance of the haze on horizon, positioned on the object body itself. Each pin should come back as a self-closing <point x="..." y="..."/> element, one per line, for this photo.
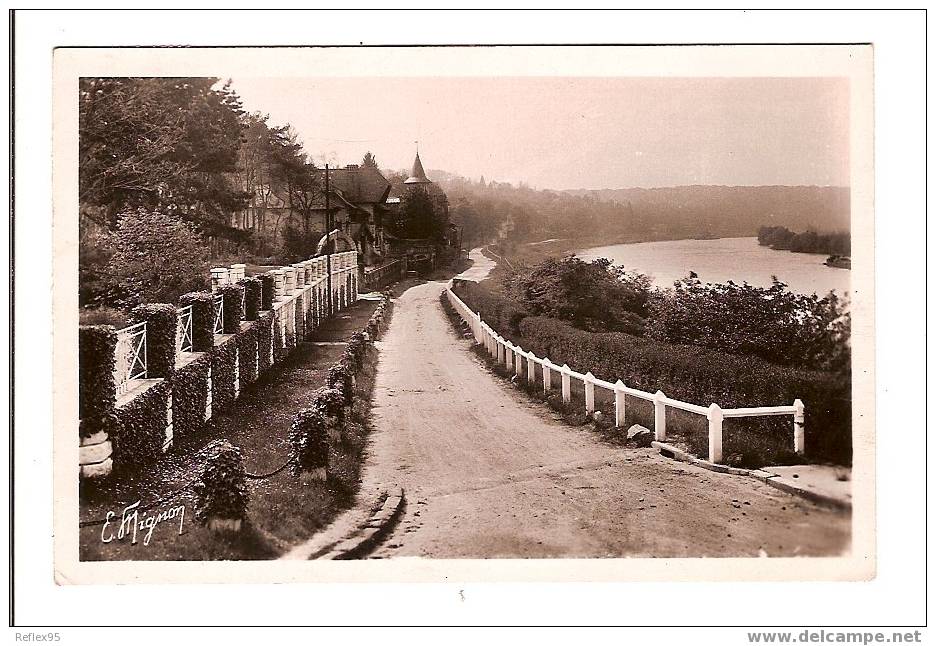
<point x="574" y="132"/>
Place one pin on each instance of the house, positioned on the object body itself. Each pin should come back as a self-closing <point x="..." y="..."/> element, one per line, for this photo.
<point x="356" y="203"/>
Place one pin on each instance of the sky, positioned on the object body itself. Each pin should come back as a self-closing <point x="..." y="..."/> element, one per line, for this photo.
<point x="575" y="132"/>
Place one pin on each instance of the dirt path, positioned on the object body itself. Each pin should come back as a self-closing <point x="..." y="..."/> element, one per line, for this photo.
<point x="489" y="473"/>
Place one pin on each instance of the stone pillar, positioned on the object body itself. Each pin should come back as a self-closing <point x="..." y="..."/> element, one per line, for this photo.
<point x="299" y="270"/>
<point x="219" y="276"/>
<point x="290" y="279"/>
<point x="279" y="283"/>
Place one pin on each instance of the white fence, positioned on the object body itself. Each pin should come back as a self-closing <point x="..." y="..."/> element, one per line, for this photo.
<point x="513" y="357"/>
<point x="184" y="330"/>
<point x="130" y="355"/>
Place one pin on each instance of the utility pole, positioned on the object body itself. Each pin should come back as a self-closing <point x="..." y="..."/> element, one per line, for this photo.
<point x="328" y="229"/>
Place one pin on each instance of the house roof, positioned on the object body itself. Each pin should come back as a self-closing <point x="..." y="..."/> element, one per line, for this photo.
<point x="360" y="184"/>
<point x="418" y="175"/>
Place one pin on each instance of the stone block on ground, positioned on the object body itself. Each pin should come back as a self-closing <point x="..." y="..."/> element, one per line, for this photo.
<point x="639" y="435"/>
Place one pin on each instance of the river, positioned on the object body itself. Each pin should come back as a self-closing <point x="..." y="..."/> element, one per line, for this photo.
<point x="718" y="261"/>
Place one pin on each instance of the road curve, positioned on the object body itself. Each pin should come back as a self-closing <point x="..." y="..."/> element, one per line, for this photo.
<point x="489" y="473"/>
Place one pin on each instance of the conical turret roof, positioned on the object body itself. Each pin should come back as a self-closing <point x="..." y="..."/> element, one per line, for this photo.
<point x="418" y="175"/>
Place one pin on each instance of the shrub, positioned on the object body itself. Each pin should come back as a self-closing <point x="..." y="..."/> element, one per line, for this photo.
<point x="222" y="374"/>
<point x="144" y="419"/>
<point x="308" y="441"/>
<point x="772" y="323"/>
<point x="221" y="491"/>
<point x="330" y="402"/>
<point x="589" y="295"/>
<point x="156" y="258"/>
<point x="341" y="379"/>
<point x="161" y="323"/>
<point x="190" y="396"/>
<point x="267" y="291"/>
<point x="202" y="319"/>
<point x="247" y="353"/>
<point x="253" y="288"/>
<point x="501" y="313"/>
<point x="232" y="302"/>
<point x="702" y="376"/>
<point x="264" y="341"/>
<point x="97" y="390"/>
<point x="103" y="316"/>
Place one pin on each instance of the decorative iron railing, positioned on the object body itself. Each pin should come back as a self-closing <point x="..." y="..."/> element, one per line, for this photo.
<point x="130" y="356"/>
<point x="184" y="330"/>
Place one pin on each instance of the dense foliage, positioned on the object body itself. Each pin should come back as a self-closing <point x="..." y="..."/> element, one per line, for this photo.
<point x="96" y="387"/>
<point x="166" y="144"/>
<point x="190" y="396"/>
<point x="308" y="441"/>
<point x="156" y="258"/>
<point x="771" y="323"/>
<point x="781" y="238"/>
<point x="232" y="300"/>
<point x="703" y="376"/>
<point x="221" y="491"/>
<point x="590" y="295"/>
<point x="202" y="319"/>
<point x="252" y="297"/>
<point x="161" y="323"/>
<point x="143" y="432"/>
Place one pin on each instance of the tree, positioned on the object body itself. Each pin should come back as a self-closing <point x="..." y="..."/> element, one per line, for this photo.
<point x="157" y="258"/>
<point x="166" y="144"/>
<point x="594" y="296"/>
<point x="369" y="160"/>
<point x="420" y="216"/>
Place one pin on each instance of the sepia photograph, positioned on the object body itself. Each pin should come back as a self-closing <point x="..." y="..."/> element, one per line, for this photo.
<point x="369" y="317"/>
<point x="323" y="321"/>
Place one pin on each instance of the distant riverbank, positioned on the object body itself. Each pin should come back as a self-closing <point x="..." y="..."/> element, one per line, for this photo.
<point x="723" y="260"/>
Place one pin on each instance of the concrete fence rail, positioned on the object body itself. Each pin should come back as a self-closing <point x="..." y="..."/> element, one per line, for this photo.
<point x="513" y="357"/>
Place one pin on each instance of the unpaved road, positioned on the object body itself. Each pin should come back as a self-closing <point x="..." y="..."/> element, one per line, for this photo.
<point x="489" y="473"/>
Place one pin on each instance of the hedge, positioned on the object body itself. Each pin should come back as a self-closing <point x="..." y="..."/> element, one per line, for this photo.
<point x="161" y="323"/>
<point x="267" y="291"/>
<point x="97" y="389"/>
<point x="300" y="318"/>
<point x="190" y="396"/>
<point x="143" y="433"/>
<point x="702" y="376"/>
<point x="222" y="375"/>
<point x="253" y="290"/>
<point x="502" y="314"/>
<point x="247" y="355"/>
<point x="264" y="341"/>
<point x="308" y="441"/>
<point x="202" y="319"/>
<point x="221" y="491"/>
<point x="231" y="301"/>
<point x="279" y="349"/>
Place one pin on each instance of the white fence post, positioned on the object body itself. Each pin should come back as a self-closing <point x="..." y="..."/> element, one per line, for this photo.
<point x="799" y="427"/>
<point x="531" y="368"/>
<point x="589" y="393"/>
<point x="619" y="403"/>
<point x="714" y="433"/>
<point x="659" y="416"/>
<point x="566" y="383"/>
<point x="517" y="361"/>
<point x="547" y="372"/>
